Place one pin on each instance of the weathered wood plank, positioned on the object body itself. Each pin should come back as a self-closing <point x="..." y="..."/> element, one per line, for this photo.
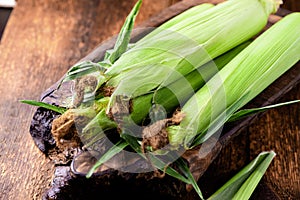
<point x="293" y="5"/>
<point x="279" y="130"/>
<point x="41" y="41"/>
<point x="37" y="47"/>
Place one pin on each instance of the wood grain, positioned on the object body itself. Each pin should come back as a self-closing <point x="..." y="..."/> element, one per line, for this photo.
<point x="44" y="38"/>
<point x="41" y="41"/>
<point x="292" y="5"/>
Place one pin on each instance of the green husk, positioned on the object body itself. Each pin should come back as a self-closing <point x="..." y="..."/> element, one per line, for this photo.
<point x="123" y="39"/>
<point x="45" y="105"/>
<point x="248" y="74"/>
<point x="118" y="147"/>
<point x="247" y="112"/>
<point x="178" y="92"/>
<point x="242" y="185"/>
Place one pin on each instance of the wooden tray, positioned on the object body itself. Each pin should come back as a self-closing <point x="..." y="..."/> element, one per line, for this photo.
<point x="69" y="181"/>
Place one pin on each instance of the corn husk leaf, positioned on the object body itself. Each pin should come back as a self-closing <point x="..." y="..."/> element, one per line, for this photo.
<point x="247" y="112"/>
<point x="186" y="170"/>
<point x="187" y="17"/>
<point x="215" y="127"/>
<point x="82" y="69"/>
<point x="123" y="39"/>
<point x="229" y="116"/>
<point x="242" y="185"/>
<point x="45" y="105"/>
<point x="115" y="149"/>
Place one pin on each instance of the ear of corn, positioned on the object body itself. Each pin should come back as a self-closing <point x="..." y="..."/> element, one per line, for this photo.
<point x="248" y="74"/>
<point x="178" y="92"/>
<point x="163" y="56"/>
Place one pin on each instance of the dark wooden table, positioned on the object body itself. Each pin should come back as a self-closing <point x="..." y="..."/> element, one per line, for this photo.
<point x="44" y="38"/>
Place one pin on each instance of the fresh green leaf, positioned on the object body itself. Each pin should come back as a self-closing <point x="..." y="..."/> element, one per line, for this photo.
<point x="246" y="112"/>
<point x="44" y="105"/>
<point x="185" y="169"/>
<point x="242" y="185"/>
<point x="132" y="141"/>
<point x="123" y="39"/>
<point x="108" y="155"/>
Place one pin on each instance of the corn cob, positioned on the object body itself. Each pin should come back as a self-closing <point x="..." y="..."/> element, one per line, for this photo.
<point x="163" y="56"/>
<point x="178" y="92"/>
<point x="255" y="68"/>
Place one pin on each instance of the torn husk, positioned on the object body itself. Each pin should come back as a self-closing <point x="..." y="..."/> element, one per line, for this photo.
<point x="64" y="131"/>
<point x="155" y="136"/>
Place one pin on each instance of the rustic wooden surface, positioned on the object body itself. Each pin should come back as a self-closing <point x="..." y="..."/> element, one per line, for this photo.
<point x="44" y="38"/>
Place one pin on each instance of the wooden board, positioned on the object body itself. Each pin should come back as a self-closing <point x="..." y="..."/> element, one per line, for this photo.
<point x="36" y="51"/>
<point x="41" y="41"/>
